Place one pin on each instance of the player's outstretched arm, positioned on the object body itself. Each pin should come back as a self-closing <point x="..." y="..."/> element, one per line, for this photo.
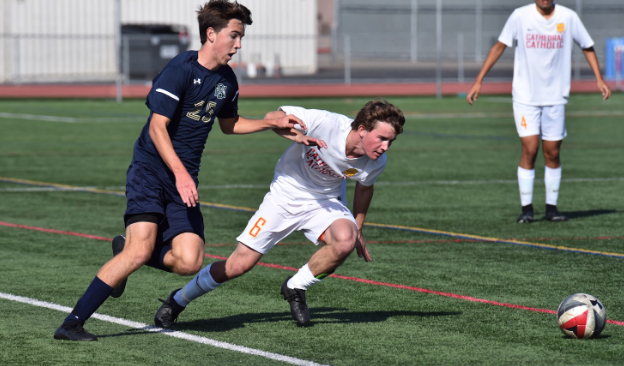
<point x="361" y="202"/>
<point x="495" y="53"/>
<point x="592" y="60"/>
<point x="184" y="182"/>
<point x="240" y="125"/>
<point x="294" y="134"/>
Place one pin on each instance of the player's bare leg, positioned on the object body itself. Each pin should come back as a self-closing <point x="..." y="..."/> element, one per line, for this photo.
<point x="530" y="147"/>
<point x="552" y="179"/>
<point x="186" y="256"/>
<point x="526" y="176"/>
<point x="340" y="240"/>
<point x="140" y="239"/>
<point x="241" y="261"/>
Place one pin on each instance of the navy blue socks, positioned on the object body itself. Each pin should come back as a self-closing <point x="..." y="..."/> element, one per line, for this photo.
<point x="91" y="300"/>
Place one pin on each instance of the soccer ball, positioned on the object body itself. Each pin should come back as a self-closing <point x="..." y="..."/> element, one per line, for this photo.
<point x="581" y="316"/>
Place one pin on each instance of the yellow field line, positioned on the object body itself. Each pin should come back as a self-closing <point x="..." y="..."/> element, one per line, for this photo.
<point x="385" y="226"/>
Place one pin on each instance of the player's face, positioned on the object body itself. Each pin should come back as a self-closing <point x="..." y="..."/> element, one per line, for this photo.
<point x="376" y="142"/>
<point x="544" y="4"/>
<point x="228" y="41"/>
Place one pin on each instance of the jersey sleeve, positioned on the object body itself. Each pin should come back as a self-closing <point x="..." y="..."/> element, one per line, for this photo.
<point x="580" y="34"/>
<point x="311" y="117"/>
<point x="510" y="30"/>
<point x="376" y="169"/>
<point x="230" y="109"/>
<point x="168" y="88"/>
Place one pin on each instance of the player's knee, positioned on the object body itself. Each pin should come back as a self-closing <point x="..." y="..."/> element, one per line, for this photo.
<point x="530" y="151"/>
<point x="188" y="267"/>
<point x="344" y="243"/>
<point x="552" y="156"/>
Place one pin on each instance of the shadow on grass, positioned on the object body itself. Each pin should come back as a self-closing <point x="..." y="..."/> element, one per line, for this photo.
<point x="602" y="336"/>
<point x="580" y="214"/>
<point x="573" y="215"/>
<point x="319" y="316"/>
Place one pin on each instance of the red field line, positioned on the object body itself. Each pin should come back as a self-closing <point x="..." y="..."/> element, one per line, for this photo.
<point x="2" y="223"/>
<point x="354" y="279"/>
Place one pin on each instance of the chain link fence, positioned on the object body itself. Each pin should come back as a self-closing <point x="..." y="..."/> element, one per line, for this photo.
<point x="86" y="41"/>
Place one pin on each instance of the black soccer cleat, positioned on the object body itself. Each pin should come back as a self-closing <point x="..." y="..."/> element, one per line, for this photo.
<point x="73" y="331"/>
<point x="552" y="214"/>
<point x="168" y="313"/>
<point x="118" y="245"/>
<point x="297" y="300"/>
<point x="526" y="217"/>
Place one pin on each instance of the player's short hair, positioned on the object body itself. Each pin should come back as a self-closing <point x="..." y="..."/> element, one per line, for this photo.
<point x="379" y="109"/>
<point x="216" y="14"/>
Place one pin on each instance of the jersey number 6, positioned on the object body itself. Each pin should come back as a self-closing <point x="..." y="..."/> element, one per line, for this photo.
<point x="255" y="230"/>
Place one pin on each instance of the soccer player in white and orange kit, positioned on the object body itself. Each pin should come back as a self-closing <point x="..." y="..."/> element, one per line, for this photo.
<point x="307" y="195"/>
<point x="541" y="86"/>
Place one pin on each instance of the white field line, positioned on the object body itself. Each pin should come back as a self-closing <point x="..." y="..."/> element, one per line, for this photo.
<point x="37" y="117"/>
<point x="266" y="186"/>
<point x="40" y="189"/>
<point x="171" y="333"/>
<point x="415" y="115"/>
<point x="597" y="113"/>
<point x="494" y="181"/>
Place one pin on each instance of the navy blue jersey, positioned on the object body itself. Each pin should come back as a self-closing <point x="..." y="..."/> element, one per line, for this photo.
<point x="191" y="96"/>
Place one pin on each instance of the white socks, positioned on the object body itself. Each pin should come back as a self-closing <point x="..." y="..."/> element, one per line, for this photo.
<point x="199" y="285"/>
<point x="303" y="279"/>
<point x="525" y="183"/>
<point x="552" y="180"/>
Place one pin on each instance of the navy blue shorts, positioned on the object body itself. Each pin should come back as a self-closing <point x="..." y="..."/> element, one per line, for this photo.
<point x="152" y="190"/>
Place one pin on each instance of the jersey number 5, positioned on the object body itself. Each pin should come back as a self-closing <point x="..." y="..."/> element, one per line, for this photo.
<point x="255" y="230"/>
<point x="195" y="113"/>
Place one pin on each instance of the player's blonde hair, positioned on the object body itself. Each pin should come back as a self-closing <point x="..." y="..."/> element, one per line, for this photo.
<point x="216" y="14"/>
<point x="381" y="110"/>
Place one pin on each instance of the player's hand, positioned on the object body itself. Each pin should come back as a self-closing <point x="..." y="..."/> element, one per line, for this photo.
<point x="473" y="94"/>
<point x="310" y="141"/>
<point x="360" y="247"/>
<point x="289" y="121"/>
<point x="187" y="189"/>
<point x="604" y="89"/>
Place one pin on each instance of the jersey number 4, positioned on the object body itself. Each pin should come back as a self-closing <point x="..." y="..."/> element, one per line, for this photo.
<point x="523" y="123"/>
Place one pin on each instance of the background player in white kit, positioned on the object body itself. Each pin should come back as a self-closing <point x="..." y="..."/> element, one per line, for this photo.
<point x="307" y="195"/>
<point x="541" y="86"/>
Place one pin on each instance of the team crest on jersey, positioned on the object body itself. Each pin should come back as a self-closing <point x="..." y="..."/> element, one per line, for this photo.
<point x="560" y="27"/>
<point x="350" y="172"/>
<point x="220" y="91"/>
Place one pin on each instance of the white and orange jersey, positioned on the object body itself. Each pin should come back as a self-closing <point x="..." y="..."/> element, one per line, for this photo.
<point x="306" y="173"/>
<point x="543" y="57"/>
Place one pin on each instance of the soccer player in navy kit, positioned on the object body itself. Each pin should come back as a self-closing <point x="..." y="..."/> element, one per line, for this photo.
<point x="164" y="226"/>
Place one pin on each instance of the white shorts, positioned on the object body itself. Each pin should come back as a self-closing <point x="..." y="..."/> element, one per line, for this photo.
<point x="546" y="121"/>
<point x="276" y="219"/>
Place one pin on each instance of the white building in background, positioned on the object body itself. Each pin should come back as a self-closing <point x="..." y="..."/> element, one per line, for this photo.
<point x="74" y="40"/>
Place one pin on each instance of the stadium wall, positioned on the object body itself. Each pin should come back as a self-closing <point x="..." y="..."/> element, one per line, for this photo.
<point x="74" y="40"/>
